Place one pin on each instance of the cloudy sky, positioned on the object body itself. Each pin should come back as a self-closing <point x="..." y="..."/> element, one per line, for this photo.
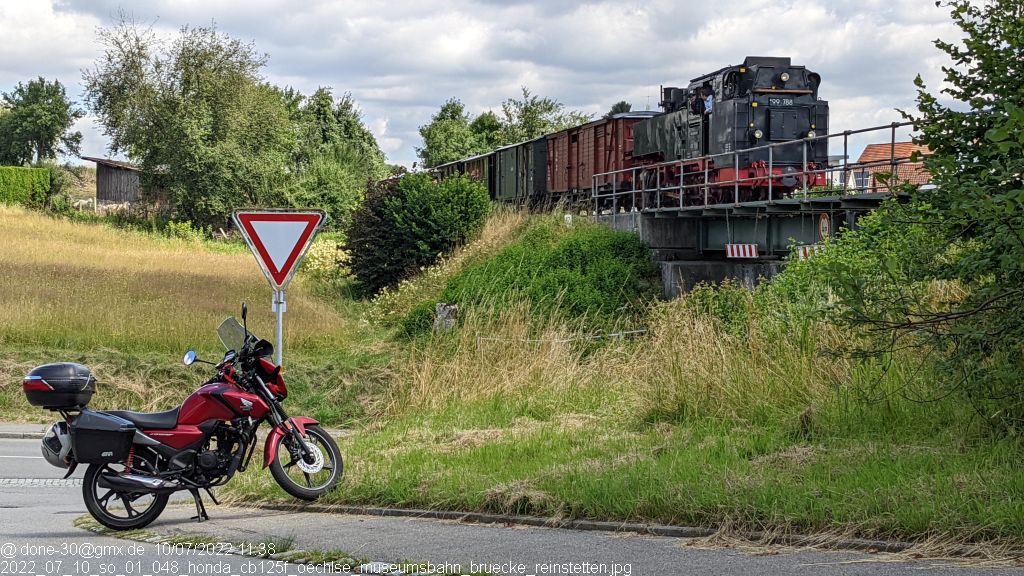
<point x="401" y="59"/>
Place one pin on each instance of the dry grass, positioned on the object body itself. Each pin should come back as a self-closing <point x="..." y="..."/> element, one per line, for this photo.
<point x="88" y="286"/>
<point x="129" y="304"/>
<point x="685" y="364"/>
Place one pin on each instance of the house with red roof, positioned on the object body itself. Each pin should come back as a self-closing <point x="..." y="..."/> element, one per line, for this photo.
<point x="883" y="165"/>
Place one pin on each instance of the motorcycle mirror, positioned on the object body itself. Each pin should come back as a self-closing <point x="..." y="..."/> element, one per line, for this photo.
<point x="245" y="311"/>
<point x="189" y="358"/>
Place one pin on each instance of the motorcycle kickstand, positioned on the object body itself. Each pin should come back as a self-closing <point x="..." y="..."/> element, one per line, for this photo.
<point x="201" y="514"/>
<point x="212" y="497"/>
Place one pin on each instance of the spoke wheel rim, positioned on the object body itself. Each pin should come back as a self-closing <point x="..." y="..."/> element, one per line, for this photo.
<point x="315" y="481"/>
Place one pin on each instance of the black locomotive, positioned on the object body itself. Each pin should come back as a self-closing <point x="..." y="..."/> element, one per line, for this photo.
<point x="746" y="107"/>
<point x="708" y="146"/>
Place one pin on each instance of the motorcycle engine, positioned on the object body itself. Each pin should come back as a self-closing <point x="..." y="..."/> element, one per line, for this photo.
<point x="208" y="460"/>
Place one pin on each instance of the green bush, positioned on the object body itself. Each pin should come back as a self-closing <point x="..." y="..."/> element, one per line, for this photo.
<point x="589" y="273"/>
<point x="405" y="225"/>
<point x="25" y="186"/>
<point x="419" y="320"/>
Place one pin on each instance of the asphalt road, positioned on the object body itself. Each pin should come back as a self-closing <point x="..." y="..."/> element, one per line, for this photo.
<point x="42" y="516"/>
<point x="37" y="536"/>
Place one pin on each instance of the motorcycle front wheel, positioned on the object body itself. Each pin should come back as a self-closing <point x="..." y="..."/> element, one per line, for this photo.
<point x="308" y="480"/>
<point x="120" y="510"/>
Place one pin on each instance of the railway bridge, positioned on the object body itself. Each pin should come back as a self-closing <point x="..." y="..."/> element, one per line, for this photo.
<point x="696" y="237"/>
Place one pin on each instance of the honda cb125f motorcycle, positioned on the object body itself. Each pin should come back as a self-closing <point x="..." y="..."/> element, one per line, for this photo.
<point x="137" y="460"/>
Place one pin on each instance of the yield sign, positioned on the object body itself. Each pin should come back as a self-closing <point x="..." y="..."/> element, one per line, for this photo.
<point x="279" y="240"/>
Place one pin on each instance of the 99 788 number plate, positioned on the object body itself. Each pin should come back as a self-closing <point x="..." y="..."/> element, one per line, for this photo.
<point x="780" y="101"/>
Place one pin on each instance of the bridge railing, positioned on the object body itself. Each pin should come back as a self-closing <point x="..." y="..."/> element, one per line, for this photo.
<point x="609" y="189"/>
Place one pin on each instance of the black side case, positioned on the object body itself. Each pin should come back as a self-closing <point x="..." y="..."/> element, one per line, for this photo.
<point x="61" y="386"/>
<point x="98" y="437"/>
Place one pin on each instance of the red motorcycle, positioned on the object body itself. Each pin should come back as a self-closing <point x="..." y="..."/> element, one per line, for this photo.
<point x="137" y="460"/>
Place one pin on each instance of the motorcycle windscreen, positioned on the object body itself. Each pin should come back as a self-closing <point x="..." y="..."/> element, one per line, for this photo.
<point x="231" y="334"/>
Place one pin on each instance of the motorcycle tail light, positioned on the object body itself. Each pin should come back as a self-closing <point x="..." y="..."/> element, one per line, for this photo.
<point x="36" y="384"/>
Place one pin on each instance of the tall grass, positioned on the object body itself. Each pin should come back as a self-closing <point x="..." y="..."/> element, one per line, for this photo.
<point x="86" y="286"/>
<point x="695" y="422"/>
<point x="130" y="303"/>
<point x="393" y="304"/>
<point x="685" y="366"/>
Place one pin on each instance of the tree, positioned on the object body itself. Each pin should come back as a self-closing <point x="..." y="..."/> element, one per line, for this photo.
<point x="487" y="129"/>
<point x="955" y="286"/>
<point x="619" y="107"/>
<point x="37" y="123"/>
<point x="197" y="116"/>
<point x="452" y="135"/>
<point x="533" y="116"/>
<point x="447" y="137"/>
<point x="336" y="157"/>
<point x="355" y="133"/>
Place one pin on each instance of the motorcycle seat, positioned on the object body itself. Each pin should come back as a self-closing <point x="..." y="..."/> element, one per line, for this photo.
<point x="149" y="420"/>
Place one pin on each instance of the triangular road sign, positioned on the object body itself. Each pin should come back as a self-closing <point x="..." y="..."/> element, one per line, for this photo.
<point x="279" y="239"/>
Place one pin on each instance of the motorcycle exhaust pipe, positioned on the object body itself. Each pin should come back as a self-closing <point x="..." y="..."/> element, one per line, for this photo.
<point x="137" y="483"/>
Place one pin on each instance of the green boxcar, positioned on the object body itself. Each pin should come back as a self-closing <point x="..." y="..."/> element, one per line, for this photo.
<point x="519" y="172"/>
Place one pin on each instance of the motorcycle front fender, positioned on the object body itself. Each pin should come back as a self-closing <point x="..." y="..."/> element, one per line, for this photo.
<point x="279" y="431"/>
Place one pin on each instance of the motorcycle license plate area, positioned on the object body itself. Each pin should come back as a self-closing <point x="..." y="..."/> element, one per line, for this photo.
<point x="97" y="437"/>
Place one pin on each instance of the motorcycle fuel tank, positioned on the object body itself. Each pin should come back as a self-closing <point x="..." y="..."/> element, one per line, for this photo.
<point x="221" y="401"/>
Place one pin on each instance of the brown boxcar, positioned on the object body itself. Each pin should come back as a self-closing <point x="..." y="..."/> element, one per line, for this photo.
<point x="576" y="154"/>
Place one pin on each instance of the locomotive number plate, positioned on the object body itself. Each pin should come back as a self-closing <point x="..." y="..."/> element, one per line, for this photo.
<point x="780" y="101"/>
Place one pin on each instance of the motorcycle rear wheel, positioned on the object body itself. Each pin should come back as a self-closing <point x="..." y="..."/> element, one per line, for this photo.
<point x="319" y="477"/>
<point x="119" y="510"/>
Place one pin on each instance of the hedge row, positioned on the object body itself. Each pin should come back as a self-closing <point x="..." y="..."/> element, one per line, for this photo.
<point x="27" y="186"/>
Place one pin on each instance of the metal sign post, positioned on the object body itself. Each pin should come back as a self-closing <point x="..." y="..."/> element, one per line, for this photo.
<point x="279" y="240"/>
<point x="279" y="304"/>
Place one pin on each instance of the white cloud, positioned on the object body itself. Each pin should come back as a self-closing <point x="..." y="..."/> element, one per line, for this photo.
<point x="402" y="59"/>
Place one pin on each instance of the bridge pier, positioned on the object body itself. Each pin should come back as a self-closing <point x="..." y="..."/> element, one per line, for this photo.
<point x="680" y="276"/>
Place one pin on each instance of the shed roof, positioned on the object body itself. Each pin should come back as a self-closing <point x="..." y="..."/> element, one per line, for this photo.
<point x="112" y="163"/>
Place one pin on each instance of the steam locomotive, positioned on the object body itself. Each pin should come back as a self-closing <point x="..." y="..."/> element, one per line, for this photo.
<point x="733" y="150"/>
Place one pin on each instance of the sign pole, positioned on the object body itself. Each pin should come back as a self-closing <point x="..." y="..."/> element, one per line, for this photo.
<point x="279" y="305"/>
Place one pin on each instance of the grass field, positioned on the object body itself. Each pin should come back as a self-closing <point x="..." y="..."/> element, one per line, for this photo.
<point x="129" y="304"/>
<point x="686" y="424"/>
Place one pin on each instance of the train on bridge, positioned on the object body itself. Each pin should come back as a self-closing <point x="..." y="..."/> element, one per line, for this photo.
<point x="717" y="140"/>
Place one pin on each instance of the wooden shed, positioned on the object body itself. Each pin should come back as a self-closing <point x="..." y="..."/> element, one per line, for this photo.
<point x="116" y="182"/>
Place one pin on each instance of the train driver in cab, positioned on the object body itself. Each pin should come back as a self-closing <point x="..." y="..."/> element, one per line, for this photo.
<point x="709" y="99"/>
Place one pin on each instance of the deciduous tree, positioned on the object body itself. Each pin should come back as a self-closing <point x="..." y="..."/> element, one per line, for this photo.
<point x="619" y="107"/>
<point x="956" y="287"/>
<point x="198" y="117"/>
<point x="36" y="125"/>
<point x="447" y="136"/>
<point x="532" y="116"/>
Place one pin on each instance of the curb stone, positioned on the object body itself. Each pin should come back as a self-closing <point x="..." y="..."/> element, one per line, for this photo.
<point x="798" y="540"/>
<point x="21" y="435"/>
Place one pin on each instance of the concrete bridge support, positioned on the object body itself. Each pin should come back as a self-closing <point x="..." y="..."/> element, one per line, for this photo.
<point x="690" y="242"/>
